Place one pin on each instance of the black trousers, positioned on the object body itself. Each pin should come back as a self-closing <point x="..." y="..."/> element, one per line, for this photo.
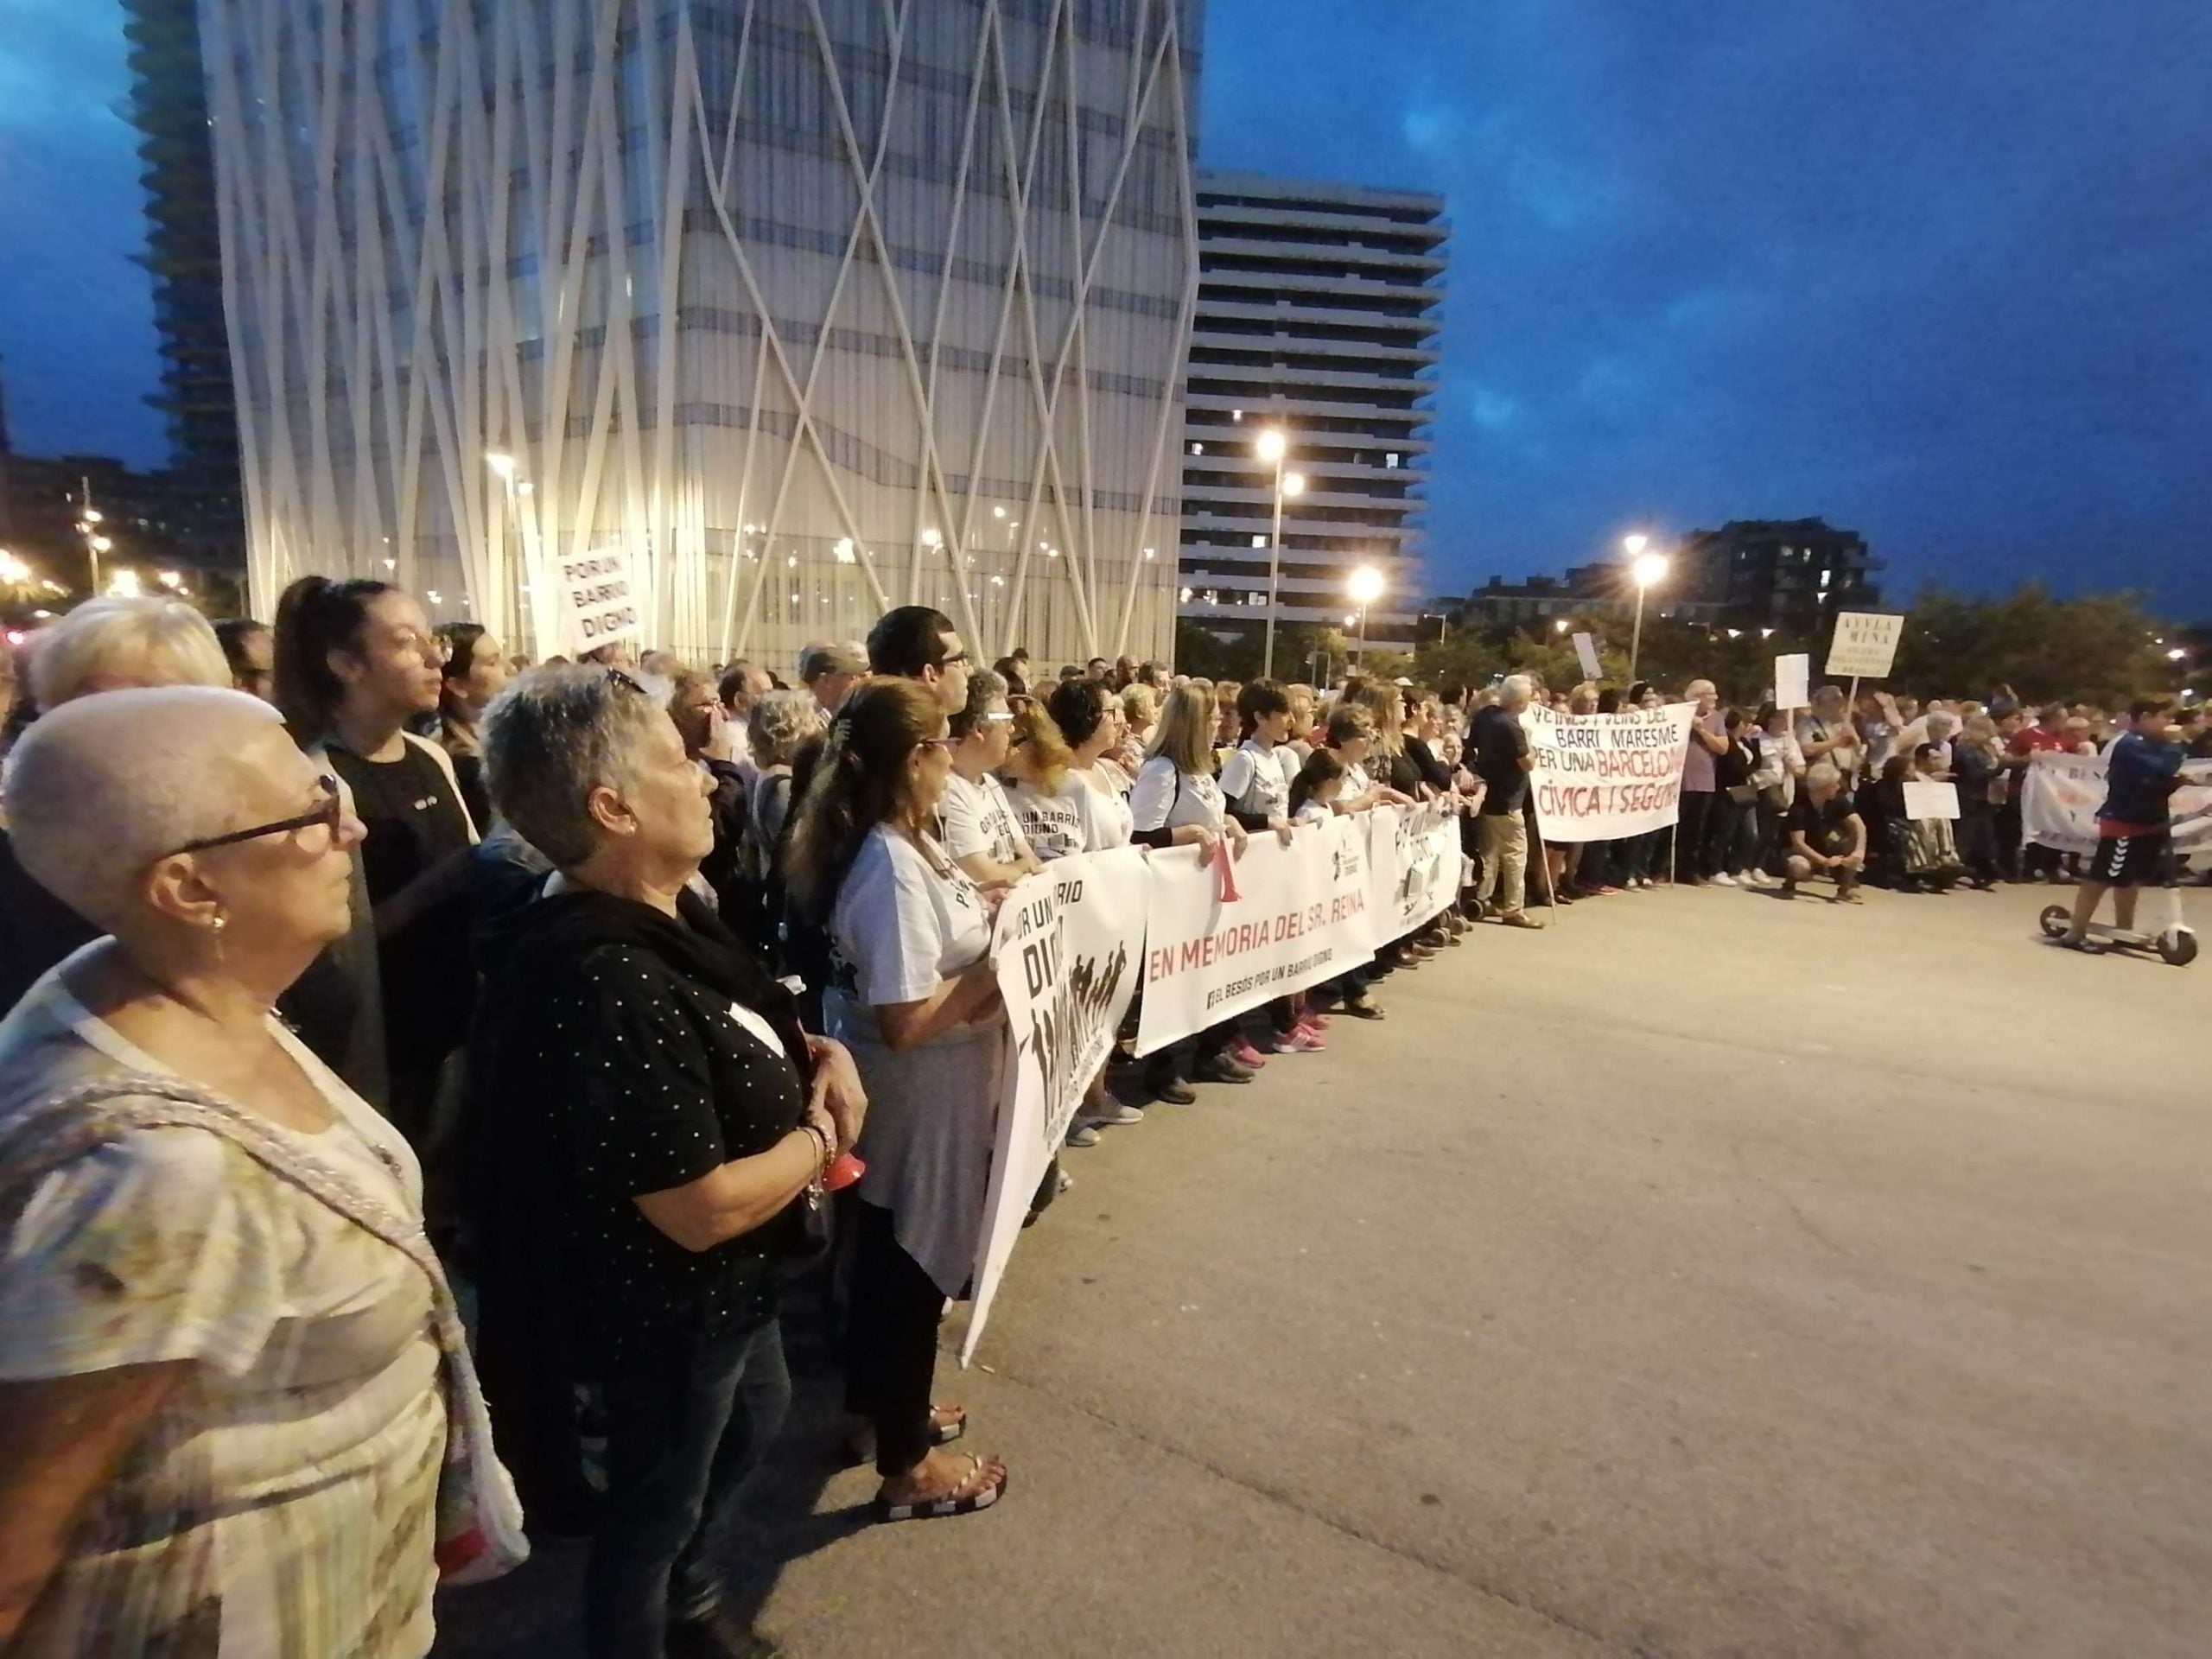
<point x="1690" y="834"/>
<point x="1976" y="833"/>
<point x="892" y="1352"/>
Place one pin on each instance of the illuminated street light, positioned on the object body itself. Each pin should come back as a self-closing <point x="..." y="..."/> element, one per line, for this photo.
<point x="1649" y="568"/>
<point x="502" y="463"/>
<point x="1365" y="586"/>
<point x="1636" y="543"/>
<point x="124" y="584"/>
<point x="1271" y="446"/>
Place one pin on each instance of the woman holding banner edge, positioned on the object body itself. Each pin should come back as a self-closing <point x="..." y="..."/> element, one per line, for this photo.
<point x="1177" y="803"/>
<point x="915" y="996"/>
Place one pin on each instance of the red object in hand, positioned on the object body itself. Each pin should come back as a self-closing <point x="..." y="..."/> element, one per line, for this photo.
<point x="1225" y="856"/>
<point x="844" y="1169"/>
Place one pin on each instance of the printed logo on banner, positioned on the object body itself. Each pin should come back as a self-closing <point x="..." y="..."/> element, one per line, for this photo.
<point x="1301" y="916"/>
<point x="1064" y="946"/>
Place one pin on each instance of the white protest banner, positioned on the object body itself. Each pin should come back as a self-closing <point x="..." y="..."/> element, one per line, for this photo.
<point x="2060" y="795"/>
<point x="1793" y="679"/>
<point x="1865" y="644"/>
<point x="1585" y="652"/>
<point x="1600" y="777"/>
<point x="1418" y="847"/>
<point x="599" y="598"/>
<point x="1067" y="946"/>
<point x="1301" y="916"/>
<point x="1923" y="799"/>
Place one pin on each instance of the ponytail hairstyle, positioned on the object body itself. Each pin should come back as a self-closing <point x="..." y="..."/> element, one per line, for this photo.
<point x="858" y="782"/>
<point x="1045" y="752"/>
<point x="461" y="639"/>
<point x="1257" y="699"/>
<point x="316" y="617"/>
<point x="1322" y="766"/>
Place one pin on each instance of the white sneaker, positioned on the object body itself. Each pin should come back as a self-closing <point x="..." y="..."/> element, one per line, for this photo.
<point x="1757" y="879"/>
<point x="1722" y="879"/>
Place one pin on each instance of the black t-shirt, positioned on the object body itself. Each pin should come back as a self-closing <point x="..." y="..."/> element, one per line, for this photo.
<point x="1498" y="743"/>
<point x="36" y="929"/>
<point x="1733" y="765"/>
<point x="1821" y="824"/>
<point x="1432" y="771"/>
<point x="415" y="819"/>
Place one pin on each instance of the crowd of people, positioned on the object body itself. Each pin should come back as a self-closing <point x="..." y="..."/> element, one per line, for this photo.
<point x="352" y="959"/>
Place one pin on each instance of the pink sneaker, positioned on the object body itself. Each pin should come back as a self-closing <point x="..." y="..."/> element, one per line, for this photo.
<point x="1299" y="1039"/>
<point x="1243" y="1053"/>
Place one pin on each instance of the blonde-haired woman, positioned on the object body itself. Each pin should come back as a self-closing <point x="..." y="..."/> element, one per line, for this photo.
<point x="1140" y="712"/>
<point x="914" y="995"/>
<point x="105" y="645"/>
<point x="1177" y="803"/>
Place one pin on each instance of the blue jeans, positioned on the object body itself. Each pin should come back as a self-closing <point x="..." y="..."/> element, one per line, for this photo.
<point x="682" y="1432"/>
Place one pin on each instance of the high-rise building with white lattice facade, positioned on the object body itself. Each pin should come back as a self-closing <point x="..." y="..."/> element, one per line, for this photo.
<point x="823" y="305"/>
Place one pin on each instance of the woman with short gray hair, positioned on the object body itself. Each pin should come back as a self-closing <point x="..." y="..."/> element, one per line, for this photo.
<point x="649" y="1120"/>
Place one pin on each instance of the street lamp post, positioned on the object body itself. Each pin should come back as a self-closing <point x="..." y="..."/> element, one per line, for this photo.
<point x="88" y="526"/>
<point x="1271" y="447"/>
<point x="1647" y="569"/>
<point x="1365" y="586"/>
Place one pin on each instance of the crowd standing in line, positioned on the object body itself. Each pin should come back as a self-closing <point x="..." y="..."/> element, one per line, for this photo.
<point x="587" y="982"/>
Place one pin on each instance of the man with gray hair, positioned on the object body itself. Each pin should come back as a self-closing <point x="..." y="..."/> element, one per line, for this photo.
<point x="1827" y="838"/>
<point x="1499" y="755"/>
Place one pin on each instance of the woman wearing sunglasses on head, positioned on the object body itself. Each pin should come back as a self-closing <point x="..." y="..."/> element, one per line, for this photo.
<point x="237" y="1413"/>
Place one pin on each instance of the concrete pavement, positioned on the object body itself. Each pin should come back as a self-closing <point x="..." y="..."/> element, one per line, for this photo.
<point x="1705" y="1276"/>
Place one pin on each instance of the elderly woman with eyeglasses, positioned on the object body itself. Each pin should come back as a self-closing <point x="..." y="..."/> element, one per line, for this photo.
<point x="648" y="1122"/>
<point x="237" y="1413"/>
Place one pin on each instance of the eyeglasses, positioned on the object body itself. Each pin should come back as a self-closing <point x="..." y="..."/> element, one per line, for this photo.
<point x="995" y="715"/>
<point x="958" y="659"/>
<point x="948" y="744"/>
<point x="616" y="676"/>
<point x="328" y="815"/>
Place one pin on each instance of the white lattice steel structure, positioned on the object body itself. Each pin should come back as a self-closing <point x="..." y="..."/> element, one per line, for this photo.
<point x="826" y="305"/>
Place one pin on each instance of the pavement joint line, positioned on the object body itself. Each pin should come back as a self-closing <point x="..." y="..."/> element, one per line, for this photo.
<point x="1285" y="1500"/>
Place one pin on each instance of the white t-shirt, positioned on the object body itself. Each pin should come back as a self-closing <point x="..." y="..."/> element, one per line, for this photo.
<point x="1075" y="818"/>
<point x="1315" y="812"/>
<point x="903" y="923"/>
<point x="900" y="925"/>
<point x="1164" y="799"/>
<point x="977" y="818"/>
<point x="1254" y="782"/>
<point x="1356" y="782"/>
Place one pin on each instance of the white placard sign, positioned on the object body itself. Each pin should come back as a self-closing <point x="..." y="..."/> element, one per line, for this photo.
<point x="1068" y="945"/>
<point x="1793" y="679"/>
<point x="1926" y="799"/>
<point x="601" y="601"/>
<point x="1302" y="914"/>
<point x="1600" y="777"/>
<point x="1585" y="652"/>
<point x="1865" y="644"/>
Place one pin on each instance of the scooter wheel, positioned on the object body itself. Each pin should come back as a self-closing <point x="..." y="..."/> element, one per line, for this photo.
<point x="2178" y="947"/>
<point x="2055" y="920"/>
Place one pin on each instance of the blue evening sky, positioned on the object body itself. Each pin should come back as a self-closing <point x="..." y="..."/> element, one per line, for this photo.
<point x="1940" y="272"/>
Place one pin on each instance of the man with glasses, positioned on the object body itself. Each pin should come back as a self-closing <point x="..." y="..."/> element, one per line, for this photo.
<point x="917" y="642"/>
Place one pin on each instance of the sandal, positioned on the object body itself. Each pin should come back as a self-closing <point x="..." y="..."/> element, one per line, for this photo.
<point x="1361" y="1008"/>
<point x="947" y="1424"/>
<point x="973" y="1493"/>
